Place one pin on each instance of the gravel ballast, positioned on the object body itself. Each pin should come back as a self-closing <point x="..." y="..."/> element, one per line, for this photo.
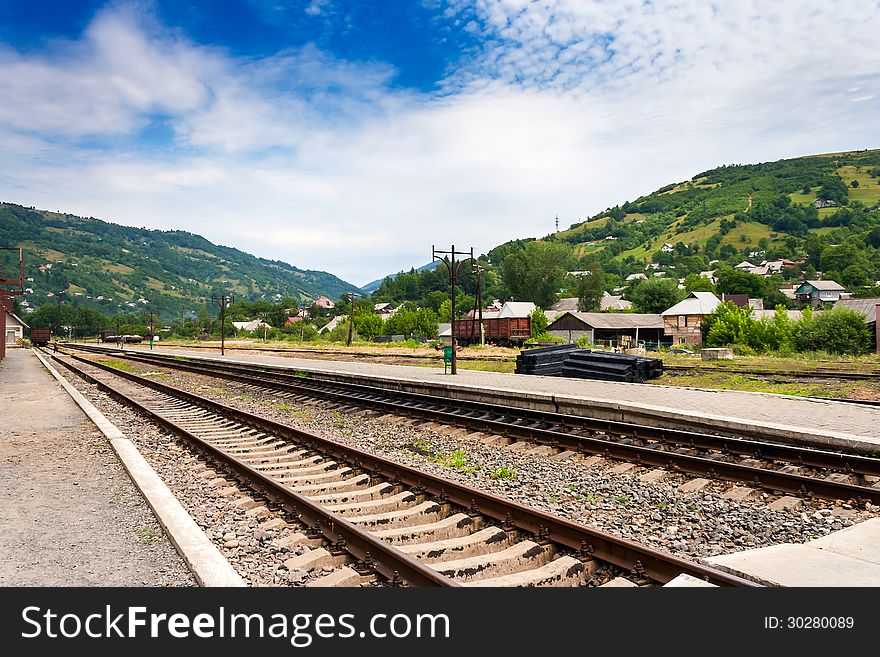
<point x="691" y="525"/>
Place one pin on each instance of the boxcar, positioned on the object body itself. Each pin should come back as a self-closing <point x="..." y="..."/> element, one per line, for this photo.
<point x="40" y="337"/>
<point x="509" y="331"/>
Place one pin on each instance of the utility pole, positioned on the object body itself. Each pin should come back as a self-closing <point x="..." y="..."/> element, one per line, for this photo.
<point x="302" y="321"/>
<point x="119" y="339"/>
<point x="453" y="275"/>
<point x="223" y="300"/>
<point x="478" y="304"/>
<point x="351" y="296"/>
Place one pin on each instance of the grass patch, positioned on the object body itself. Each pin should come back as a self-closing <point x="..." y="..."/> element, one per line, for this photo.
<point x="622" y="499"/>
<point x="147" y="533"/>
<point x="457" y="460"/>
<point x="503" y="472"/>
<point x="120" y="365"/>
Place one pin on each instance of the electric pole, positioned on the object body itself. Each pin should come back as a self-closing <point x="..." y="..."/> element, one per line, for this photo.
<point x="478" y="304"/>
<point x="351" y="295"/>
<point x="223" y="300"/>
<point x="302" y="321"/>
<point x="453" y="275"/>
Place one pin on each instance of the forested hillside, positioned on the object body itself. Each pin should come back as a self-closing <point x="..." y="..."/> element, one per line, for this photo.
<point x="118" y="269"/>
<point x="712" y="222"/>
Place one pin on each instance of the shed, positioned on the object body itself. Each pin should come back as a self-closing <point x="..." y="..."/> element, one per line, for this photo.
<point x="617" y="328"/>
<point x="870" y="308"/>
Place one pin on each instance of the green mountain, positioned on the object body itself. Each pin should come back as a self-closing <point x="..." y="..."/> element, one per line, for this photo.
<point x="732" y="211"/>
<point x="113" y="268"/>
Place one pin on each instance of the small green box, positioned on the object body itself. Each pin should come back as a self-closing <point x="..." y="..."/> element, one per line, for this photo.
<point x="447" y="358"/>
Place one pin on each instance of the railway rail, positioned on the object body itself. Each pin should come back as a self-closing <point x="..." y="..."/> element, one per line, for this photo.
<point x="772" y="466"/>
<point x="804" y="374"/>
<point x="404" y="525"/>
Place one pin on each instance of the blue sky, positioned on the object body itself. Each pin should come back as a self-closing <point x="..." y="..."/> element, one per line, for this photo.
<point x="350" y="136"/>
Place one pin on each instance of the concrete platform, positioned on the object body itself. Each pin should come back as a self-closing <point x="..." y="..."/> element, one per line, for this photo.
<point x="73" y="452"/>
<point x="850" y="557"/>
<point x="781" y="417"/>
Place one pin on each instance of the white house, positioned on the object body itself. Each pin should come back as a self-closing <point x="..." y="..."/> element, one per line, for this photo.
<point x="14" y="328"/>
<point x="667" y="248"/>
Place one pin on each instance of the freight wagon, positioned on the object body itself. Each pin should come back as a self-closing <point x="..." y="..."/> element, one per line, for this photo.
<point x="507" y="331"/>
<point x="40" y="337"/>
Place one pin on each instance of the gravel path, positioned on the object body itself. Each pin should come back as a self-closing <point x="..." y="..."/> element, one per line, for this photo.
<point x="690" y="525"/>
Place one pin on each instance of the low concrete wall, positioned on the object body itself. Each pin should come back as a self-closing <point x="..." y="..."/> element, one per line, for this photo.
<point x="716" y="353"/>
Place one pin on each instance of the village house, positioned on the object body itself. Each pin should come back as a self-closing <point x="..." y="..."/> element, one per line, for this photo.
<point x="324" y="302"/>
<point x="820" y="292"/>
<point x="667" y="248"/>
<point x="682" y="321"/>
<point x="636" y="277"/>
<point x="825" y="203"/>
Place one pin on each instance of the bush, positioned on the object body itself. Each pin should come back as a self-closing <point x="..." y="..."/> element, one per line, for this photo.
<point x="839" y="331"/>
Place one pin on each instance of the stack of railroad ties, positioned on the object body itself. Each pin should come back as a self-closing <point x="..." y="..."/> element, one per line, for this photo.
<point x="568" y="360"/>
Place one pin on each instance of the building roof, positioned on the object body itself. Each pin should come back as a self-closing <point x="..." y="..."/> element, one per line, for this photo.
<point x="16" y="318"/>
<point x="866" y="306"/>
<point x="633" y="277"/>
<point x="745" y="264"/>
<point x="614" y="302"/>
<point x="566" y="304"/>
<point x="825" y="286"/>
<point x="333" y="323"/>
<point x="766" y="313"/>
<point x="517" y="309"/>
<point x="615" y="320"/>
<point x="697" y="303"/>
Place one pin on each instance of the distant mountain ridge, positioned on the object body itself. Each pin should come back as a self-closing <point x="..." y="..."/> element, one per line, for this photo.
<point x="113" y="268"/>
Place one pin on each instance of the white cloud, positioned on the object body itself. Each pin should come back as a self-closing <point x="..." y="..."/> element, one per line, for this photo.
<point x="571" y="107"/>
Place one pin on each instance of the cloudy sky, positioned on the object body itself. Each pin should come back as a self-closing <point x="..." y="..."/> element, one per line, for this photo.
<point x="351" y="135"/>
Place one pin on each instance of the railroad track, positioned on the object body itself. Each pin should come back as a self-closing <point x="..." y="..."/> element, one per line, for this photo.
<point x="381" y="519"/>
<point x="813" y="374"/>
<point x="779" y="468"/>
<point x="347" y="354"/>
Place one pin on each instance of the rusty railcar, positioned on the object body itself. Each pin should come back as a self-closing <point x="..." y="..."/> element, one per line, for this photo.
<point x="506" y="331"/>
<point x="40" y="337"/>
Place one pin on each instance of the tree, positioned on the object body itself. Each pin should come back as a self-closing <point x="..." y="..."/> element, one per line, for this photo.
<point x="697" y="283"/>
<point x="368" y="324"/>
<point x="537" y="272"/>
<point x="539" y="322"/>
<point x="655" y="295"/>
<point x="734" y="281"/>
<point x="444" y="312"/>
<point x="840" y="331"/>
<point x="590" y="288"/>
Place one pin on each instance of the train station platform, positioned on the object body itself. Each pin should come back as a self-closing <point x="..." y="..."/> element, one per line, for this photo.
<point x="797" y="420"/>
<point x="69" y="513"/>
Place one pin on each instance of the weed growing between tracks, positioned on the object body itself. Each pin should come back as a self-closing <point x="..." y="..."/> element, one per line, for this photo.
<point x="503" y="472"/>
